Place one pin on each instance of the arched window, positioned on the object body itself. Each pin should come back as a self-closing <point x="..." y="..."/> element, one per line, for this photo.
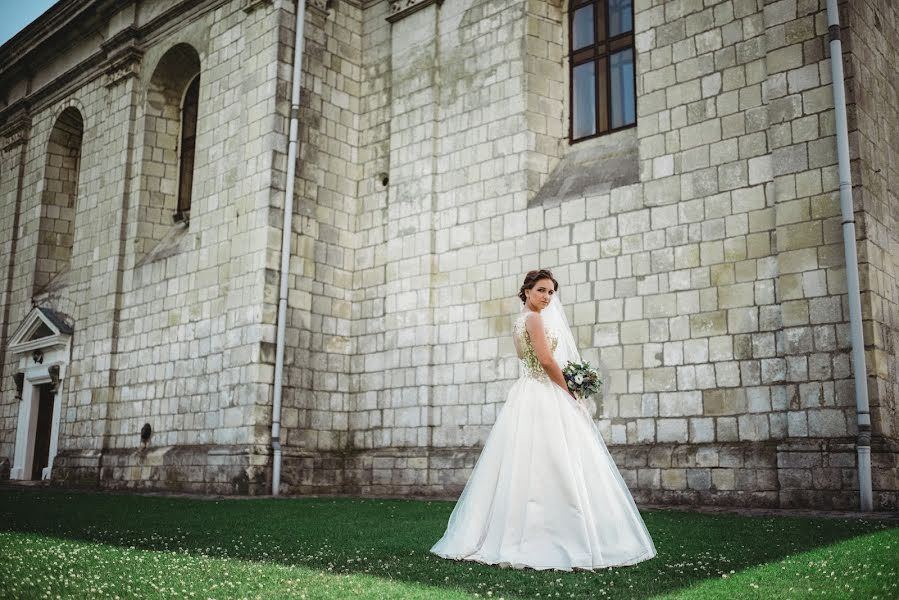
<point x="188" y="143"/>
<point x="601" y="58"/>
<point x="169" y="147"/>
<point x="56" y="233"/>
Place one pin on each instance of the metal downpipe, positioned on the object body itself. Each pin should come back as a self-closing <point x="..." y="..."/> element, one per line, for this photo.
<point x="863" y="413"/>
<point x="286" y="235"/>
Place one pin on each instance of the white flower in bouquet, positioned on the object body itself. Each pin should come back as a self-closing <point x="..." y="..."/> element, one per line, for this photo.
<point x="582" y="379"/>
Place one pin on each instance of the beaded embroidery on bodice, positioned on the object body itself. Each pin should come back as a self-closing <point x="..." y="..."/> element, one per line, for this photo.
<point x="530" y="364"/>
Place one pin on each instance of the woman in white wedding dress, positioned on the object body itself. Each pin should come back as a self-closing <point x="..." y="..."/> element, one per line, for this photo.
<point x="545" y="492"/>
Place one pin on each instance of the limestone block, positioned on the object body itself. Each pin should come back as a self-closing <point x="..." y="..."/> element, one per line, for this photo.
<point x="680" y="404"/>
<point x="824" y="337"/>
<point x="777" y="425"/>
<point x="784" y="59"/>
<point x="606" y="335"/>
<point x="758" y="399"/>
<point x="790" y="159"/>
<point x="730" y="296"/>
<point x="699" y="479"/>
<point x="696" y="350"/>
<point x="797" y="368"/>
<point x="794" y="313"/>
<point x="671" y="430"/>
<point x="706" y="132"/>
<point x="763" y="345"/>
<point x="660" y="379"/>
<point x="673" y="353"/>
<point x="633" y="222"/>
<point x="723" y="479"/>
<point x="679" y="328"/>
<point x="686" y="378"/>
<point x="708" y="324"/>
<point x="705" y="376"/>
<point x="798" y="340"/>
<point x="817" y="100"/>
<point x="635" y="332"/>
<point x="724" y="401"/>
<point x="702" y="429"/>
<point x="827" y="422"/>
<point x="674" y="479"/>
<point x="646" y="431"/>
<point x="819" y="366"/>
<point x="785" y="109"/>
<point x="825" y="310"/>
<point x="629" y="405"/>
<point x="721" y="348"/>
<point x="800" y="235"/>
<point x="727" y="374"/>
<point x="649" y="478"/>
<point x="726" y="429"/>
<point x="753" y="427"/>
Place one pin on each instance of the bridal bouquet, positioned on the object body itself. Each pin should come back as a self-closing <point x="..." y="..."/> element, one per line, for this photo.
<point x="582" y="379"/>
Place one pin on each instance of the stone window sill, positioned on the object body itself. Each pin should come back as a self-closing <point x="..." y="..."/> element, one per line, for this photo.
<point x="593" y="167"/>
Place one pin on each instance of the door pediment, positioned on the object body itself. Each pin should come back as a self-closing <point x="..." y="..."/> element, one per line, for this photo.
<point x="42" y="328"/>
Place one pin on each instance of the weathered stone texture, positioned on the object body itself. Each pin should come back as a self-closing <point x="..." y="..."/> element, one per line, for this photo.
<point x="168" y="319"/>
<point x="700" y="252"/>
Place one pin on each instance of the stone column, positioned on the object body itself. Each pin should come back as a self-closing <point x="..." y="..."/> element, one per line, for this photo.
<point x="409" y="302"/>
<point x="124" y="58"/>
<point x="14" y="139"/>
<point x="93" y="393"/>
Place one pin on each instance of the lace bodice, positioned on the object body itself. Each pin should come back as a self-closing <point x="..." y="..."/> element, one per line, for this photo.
<point x="530" y="365"/>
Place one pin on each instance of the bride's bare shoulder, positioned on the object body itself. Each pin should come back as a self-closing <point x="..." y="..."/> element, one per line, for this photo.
<point x="521" y="321"/>
<point x="533" y="321"/>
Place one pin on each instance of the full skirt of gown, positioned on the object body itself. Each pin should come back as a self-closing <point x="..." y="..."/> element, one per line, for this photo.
<point x="545" y="492"/>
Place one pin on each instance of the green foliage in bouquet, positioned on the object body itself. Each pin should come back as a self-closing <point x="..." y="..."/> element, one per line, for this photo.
<point x="582" y="379"/>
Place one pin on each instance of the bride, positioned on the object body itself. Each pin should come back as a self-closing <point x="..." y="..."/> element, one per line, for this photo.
<point x="545" y="492"/>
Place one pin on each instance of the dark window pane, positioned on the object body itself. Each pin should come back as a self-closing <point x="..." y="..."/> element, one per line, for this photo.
<point x="620" y="17"/>
<point x="584" y="105"/>
<point x="188" y="143"/>
<point x="624" y="106"/>
<point x="582" y="28"/>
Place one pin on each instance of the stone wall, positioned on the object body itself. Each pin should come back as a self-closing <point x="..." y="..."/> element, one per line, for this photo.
<point x="319" y="344"/>
<point x="700" y="253"/>
<point x="714" y="289"/>
<point x="167" y="317"/>
<point x="873" y="84"/>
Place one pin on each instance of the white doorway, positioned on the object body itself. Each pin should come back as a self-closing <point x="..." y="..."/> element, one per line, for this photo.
<point x="42" y="344"/>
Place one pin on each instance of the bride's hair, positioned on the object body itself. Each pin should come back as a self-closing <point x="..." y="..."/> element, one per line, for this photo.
<point x="531" y="279"/>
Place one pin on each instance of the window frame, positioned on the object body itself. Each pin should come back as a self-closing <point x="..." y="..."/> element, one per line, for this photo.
<point x="182" y="208"/>
<point x="601" y="60"/>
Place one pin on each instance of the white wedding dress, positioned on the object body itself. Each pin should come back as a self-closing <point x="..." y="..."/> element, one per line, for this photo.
<point x="545" y="492"/>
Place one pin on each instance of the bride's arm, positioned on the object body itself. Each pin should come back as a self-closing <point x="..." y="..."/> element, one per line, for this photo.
<point x="537" y="333"/>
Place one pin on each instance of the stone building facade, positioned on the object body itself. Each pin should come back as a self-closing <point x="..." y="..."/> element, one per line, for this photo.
<point x="699" y="251"/>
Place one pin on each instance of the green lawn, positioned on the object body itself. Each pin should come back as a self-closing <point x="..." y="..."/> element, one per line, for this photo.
<point x="61" y="544"/>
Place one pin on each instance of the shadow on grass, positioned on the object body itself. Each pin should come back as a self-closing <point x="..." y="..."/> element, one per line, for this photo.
<point x="391" y="538"/>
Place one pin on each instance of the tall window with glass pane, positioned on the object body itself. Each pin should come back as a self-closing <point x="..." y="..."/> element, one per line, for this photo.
<point x="603" y="91"/>
<point x="189" y="111"/>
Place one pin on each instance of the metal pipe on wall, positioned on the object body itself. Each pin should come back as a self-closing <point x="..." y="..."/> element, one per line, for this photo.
<point x="863" y="444"/>
<point x="286" y="235"/>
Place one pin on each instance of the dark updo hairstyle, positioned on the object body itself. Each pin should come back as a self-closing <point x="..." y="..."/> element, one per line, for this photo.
<point x="531" y="279"/>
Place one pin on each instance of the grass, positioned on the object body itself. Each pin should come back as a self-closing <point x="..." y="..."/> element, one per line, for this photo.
<point x="63" y="544"/>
